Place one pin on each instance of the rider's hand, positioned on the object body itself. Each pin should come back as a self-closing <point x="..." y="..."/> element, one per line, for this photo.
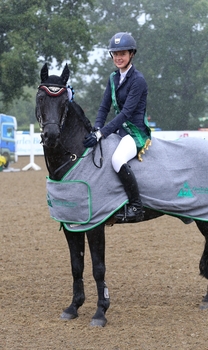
<point x="92" y="139"/>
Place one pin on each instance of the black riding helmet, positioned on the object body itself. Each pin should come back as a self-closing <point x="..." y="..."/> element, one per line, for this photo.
<point x="122" y="41"/>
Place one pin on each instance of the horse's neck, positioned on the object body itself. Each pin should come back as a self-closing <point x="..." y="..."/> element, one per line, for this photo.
<point x="60" y="159"/>
<point x="72" y="136"/>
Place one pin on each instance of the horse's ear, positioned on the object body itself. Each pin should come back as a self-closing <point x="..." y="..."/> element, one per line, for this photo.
<point x="65" y="74"/>
<point x="44" y="73"/>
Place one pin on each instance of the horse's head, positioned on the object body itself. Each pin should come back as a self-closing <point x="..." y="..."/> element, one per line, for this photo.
<point x="51" y="105"/>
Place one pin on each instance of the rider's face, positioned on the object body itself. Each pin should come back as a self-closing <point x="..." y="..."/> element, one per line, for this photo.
<point x="121" y="59"/>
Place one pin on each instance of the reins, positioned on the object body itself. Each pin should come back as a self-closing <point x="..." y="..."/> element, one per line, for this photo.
<point x="101" y="155"/>
<point x="91" y="152"/>
<point x="73" y="157"/>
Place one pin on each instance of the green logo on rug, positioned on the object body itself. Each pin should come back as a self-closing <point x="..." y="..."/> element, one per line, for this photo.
<point x="185" y="191"/>
<point x="188" y="192"/>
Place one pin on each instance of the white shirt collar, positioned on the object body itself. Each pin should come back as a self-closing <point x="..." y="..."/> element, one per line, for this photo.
<point x="122" y="75"/>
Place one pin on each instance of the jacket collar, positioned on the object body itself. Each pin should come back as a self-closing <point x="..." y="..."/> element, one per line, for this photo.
<point x="117" y="76"/>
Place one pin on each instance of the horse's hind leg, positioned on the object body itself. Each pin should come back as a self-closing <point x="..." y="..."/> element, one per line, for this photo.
<point x="76" y="243"/>
<point x="203" y="265"/>
<point x="96" y="240"/>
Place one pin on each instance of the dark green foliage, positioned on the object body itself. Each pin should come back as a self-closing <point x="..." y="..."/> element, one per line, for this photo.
<point x="172" y="51"/>
<point x="172" y="54"/>
<point x="31" y="31"/>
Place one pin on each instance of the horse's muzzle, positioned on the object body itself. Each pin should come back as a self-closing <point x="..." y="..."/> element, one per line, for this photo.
<point x="50" y="139"/>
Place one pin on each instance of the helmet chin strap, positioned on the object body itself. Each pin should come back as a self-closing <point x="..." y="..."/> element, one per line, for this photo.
<point x="132" y="55"/>
<point x="128" y="64"/>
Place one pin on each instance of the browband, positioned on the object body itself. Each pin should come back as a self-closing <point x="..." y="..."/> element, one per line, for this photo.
<point x="53" y="90"/>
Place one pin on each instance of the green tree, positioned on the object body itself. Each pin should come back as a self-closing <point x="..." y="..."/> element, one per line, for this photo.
<point x="24" y="110"/>
<point x="175" y="61"/>
<point x="37" y="31"/>
<point x="172" y="54"/>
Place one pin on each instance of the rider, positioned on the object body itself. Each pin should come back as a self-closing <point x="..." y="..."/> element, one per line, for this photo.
<point x="127" y="91"/>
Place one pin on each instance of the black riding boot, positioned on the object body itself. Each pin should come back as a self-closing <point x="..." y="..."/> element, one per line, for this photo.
<point x="131" y="212"/>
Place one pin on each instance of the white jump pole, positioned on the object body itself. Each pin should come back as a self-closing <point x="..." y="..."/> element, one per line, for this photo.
<point x="32" y="163"/>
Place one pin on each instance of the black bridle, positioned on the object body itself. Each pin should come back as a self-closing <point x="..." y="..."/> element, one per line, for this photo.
<point x="53" y="90"/>
<point x="57" y="90"/>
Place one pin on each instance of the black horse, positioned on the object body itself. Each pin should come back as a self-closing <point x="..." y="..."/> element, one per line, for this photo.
<point x="64" y="126"/>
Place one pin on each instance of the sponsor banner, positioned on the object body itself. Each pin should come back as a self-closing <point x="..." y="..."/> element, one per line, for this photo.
<point x="174" y="135"/>
<point x="25" y="147"/>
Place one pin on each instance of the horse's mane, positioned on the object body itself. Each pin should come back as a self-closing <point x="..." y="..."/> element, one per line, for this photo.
<point x="81" y="115"/>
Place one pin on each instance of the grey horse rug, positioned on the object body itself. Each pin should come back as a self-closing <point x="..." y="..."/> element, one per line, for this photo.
<point x="172" y="178"/>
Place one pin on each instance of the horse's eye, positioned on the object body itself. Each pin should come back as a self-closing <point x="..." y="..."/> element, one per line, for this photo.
<point x="40" y="99"/>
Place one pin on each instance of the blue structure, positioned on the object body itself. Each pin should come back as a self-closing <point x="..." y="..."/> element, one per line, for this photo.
<point x="8" y="127"/>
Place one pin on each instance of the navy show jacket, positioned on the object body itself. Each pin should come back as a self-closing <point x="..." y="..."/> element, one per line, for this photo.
<point x="131" y="96"/>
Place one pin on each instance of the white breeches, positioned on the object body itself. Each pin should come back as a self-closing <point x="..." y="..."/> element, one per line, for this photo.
<point x="125" y="151"/>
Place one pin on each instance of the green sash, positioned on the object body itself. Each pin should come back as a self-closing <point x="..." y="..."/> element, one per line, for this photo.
<point x="140" y="137"/>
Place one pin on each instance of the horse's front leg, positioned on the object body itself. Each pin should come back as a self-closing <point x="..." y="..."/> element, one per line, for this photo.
<point x="96" y="240"/>
<point x="203" y="265"/>
<point x="76" y="243"/>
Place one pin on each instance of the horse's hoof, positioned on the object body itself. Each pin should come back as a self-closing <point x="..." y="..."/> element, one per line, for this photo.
<point x="98" y="323"/>
<point x="204" y="306"/>
<point x="67" y="317"/>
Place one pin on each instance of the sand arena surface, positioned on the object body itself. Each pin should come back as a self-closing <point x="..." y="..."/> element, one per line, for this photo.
<point x="152" y="275"/>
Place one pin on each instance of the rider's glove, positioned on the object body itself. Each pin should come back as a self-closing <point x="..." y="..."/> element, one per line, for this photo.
<point x="92" y="139"/>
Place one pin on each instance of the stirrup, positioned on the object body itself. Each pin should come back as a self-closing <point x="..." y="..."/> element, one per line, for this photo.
<point x="123" y="217"/>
